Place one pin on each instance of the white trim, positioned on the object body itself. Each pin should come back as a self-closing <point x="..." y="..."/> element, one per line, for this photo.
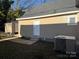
<point x="56" y="14"/>
<point x="36" y="22"/>
<point x="36" y="28"/>
<point x="68" y="19"/>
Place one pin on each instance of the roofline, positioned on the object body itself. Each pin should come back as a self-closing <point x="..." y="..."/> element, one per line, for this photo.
<point x="42" y="16"/>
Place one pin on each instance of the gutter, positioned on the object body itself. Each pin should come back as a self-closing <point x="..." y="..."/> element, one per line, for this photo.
<point x="49" y="15"/>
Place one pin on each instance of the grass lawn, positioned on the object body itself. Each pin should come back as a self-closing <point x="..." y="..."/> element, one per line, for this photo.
<point x="39" y="50"/>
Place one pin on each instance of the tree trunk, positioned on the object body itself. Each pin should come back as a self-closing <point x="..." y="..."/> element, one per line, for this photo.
<point x="2" y="25"/>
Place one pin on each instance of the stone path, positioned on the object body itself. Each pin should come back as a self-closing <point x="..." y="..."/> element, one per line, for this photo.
<point x="24" y="41"/>
<point x="12" y="38"/>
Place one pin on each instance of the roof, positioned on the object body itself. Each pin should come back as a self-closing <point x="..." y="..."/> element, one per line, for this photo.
<point x="49" y="15"/>
<point x="58" y="6"/>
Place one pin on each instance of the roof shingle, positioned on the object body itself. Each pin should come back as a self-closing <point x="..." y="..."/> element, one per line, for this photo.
<point x="51" y="8"/>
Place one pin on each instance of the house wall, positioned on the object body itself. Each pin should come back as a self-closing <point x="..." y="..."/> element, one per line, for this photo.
<point x="58" y="25"/>
<point x="49" y="27"/>
<point x="8" y="28"/>
<point x="11" y="27"/>
<point x="77" y="30"/>
<point x="25" y="28"/>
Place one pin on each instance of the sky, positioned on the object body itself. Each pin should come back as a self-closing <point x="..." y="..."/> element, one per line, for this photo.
<point x="23" y="3"/>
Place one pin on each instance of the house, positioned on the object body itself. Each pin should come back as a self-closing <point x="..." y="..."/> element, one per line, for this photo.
<point x="47" y="21"/>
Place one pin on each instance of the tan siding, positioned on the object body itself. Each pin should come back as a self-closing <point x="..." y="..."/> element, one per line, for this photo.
<point x="26" y="22"/>
<point x="23" y="30"/>
<point x="77" y="28"/>
<point x="78" y="17"/>
<point x="19" y="29"/>
<point x="50" y="26"/>
<point x="11" y="27"/>
<point x="55" y="20"/>
<point x="8" y="28"/>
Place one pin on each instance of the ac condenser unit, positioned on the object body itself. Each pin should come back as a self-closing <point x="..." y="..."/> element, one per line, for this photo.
<point x="65" y="44"/>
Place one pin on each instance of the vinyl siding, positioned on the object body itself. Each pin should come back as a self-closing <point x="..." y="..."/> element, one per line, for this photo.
<point x="49" y="27"/>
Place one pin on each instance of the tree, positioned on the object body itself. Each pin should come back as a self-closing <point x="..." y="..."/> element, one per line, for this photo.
<point x="13" y="14"/>
<point x="8" y="14"/>
<point x="4" y="9"/>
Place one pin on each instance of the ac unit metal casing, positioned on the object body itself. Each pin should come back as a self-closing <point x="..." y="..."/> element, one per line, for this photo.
<point x="65" y="44"/>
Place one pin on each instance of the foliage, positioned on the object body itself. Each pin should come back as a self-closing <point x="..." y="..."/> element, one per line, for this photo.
<point x="12" y="14"/>
<point x="4" y="8"/>
<point x="1" y="14"/>
<point x="6" y="13"/>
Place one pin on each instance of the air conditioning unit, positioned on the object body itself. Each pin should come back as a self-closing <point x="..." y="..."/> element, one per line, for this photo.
<point x="65" y="44"/>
